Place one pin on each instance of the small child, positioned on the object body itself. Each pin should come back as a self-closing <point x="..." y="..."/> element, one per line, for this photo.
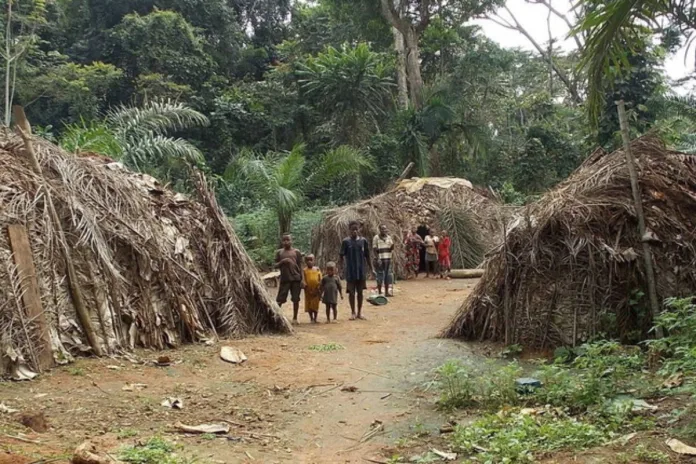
<point x="330" y="289"/>
<point x="444" y="258"/>
<point x="312" y="287"/>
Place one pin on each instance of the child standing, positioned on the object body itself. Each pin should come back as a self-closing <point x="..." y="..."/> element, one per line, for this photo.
<point x="289" y="262"/>
<point x="312" y="284"/>
<point x="444" y="255"/>
<point x="330" y="289"/>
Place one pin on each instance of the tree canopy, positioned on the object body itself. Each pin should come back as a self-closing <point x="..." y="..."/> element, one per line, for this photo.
<point x="267" y="87"/>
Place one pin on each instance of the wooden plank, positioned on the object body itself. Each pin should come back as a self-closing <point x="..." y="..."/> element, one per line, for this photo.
<point x="21" y="251"/>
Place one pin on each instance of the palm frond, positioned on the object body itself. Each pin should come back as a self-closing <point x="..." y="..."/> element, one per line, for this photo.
<point x="339" y="163"/>
<point x="152" y="149"/>
<point x="92" y="137"/>
<point x="158" y="117"/>
<point x="611" y="28"/>
<point x="288" y="171"/>
<point x="467" y="249"/>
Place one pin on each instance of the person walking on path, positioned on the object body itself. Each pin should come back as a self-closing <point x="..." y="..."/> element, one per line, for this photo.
<point x="413" y="243"/>
<point x="312" y="283"/>
<point x="444" y="258"/>
<point x="383" y="248"/>
<point x="355" y="258"/>
<point x="331" y="288"/>
<point x="289" y="261"/>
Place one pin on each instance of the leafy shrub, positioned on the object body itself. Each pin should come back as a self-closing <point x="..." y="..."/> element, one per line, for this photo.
<point x="518" y="438"/>
<point x="512" y="196"/>
<point x="462" y="386"/>
<point x="645" y="454"/>
<point x="259" y="233"/>
<point x="598" y="371"/>
<point x="499" y="388"/>
<point x="456" y="385"/>
<point x="679" y="346"/>
<point x="155" y="451"/>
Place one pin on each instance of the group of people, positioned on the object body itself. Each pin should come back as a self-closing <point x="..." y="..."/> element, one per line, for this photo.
<point x="354" y="260"/>
<point x="438" y="261"/>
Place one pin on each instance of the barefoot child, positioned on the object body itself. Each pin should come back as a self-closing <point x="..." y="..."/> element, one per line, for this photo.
<point x="444" y="255"/>
<point x="289" y="262"/>
<point x="312" y="282"/>
<point x="331" y="288"/>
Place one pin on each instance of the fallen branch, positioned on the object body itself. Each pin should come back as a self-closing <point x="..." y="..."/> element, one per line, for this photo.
<point x="373" y="373"/>
<point x="25" y="440"/>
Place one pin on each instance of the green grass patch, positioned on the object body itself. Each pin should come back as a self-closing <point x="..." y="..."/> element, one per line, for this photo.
<point x="587" y="398"/>
<point x="517" y="438"/>
<point x="127" y="433"/>
<point x="649" y="456"/>
<point x="155" y="451"/>
<point x="327" y="347"/>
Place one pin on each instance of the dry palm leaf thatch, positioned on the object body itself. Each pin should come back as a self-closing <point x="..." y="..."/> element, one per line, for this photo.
<point x="571" y="267"/>
<point x="155" y="268"/>
<point x="473" y="219"/>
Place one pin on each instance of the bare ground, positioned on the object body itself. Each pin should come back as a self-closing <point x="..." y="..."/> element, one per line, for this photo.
<point x="286" y="404"/>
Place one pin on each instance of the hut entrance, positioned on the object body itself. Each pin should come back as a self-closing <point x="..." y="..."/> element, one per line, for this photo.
<point x="423" y="231"/>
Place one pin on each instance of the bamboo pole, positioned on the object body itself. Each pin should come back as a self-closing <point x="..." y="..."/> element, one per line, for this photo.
<point x="637" y="199"/>
<point x="24" y="130"/>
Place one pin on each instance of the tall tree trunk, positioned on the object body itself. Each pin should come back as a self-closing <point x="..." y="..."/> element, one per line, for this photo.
<point x="410" y="34"/>
<point x="401" y="74"/>
<point x="8" y="63"/>
<point x="413" y="69"/>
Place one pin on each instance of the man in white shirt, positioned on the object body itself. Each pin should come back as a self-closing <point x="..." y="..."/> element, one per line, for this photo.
<point x="383" y="247"/>
<point x="431" y="243"/>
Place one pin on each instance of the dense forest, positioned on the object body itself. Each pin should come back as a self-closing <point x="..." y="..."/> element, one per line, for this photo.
<point x="292" y="106"/>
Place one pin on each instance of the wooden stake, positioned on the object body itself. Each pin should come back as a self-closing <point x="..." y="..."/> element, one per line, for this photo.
<point x="404" y="174"/>
<point x="24" y="130"/>
<point x="31" y="293"/>
<point x="637" y="199"/>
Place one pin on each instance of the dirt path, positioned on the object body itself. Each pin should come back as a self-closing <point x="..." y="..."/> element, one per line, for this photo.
<point x="286" y="403"/>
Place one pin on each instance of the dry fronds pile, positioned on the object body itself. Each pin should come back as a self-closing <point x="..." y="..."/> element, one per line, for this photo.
<point x="155" y="268"/>
<point x="439" y="203"/>
<point x="571" y="268"/>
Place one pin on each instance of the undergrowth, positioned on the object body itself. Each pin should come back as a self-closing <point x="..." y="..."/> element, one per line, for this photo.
<point x="326" y="347"/>
<point x="155" y="451"/>
<point x="517" y="437"/>
<point x="588" y="395"/>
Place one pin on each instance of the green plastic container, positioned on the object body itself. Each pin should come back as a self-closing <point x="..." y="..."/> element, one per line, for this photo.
<point x="377" y="300"/>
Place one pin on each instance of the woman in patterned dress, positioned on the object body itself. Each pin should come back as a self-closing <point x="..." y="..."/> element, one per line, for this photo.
<point x="413" y="243"/>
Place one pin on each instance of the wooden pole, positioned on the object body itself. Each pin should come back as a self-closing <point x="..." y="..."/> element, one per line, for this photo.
<point x="637" y="199"/>
<point x="24" y="130"/>
<point x="405" y="173"/>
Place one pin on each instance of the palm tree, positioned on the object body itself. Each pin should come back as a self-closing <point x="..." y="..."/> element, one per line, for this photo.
<point x="422" y="129"/>
<point x="281" y="180"/>
<point x="138" y="136"/>
<point x="613" y="26"/>
<point x="352" y="86"/>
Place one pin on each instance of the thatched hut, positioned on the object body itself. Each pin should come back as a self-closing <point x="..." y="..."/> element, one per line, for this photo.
<point x="153" y="268"/>
<point x="472" y="216"/>
<point x="572" y="267"/>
